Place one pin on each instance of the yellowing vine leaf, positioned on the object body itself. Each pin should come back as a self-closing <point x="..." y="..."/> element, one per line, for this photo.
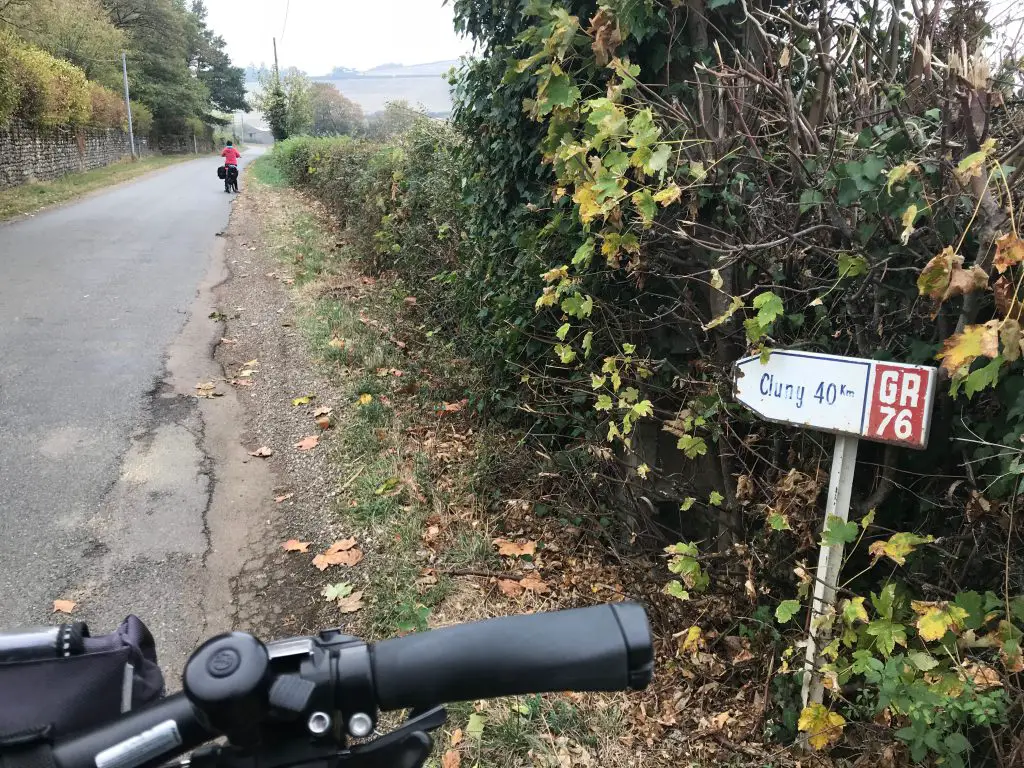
<point x="737" y="303"/>
<point x="976" y="341"/>
<point x="898" y="546"/>
<point x="668" y="195"/>
<point x="821" y="726"/>
<point x="935" y="619"/>
<point x="558" y="273"/>
<point x="1009" y="251"/>
<point x="908" y="223"/>
<point x="1011" y="339"/>
<point x="898" y="174"/>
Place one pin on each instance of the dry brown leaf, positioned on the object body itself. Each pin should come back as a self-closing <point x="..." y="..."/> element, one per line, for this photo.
<point x="451" y="759"/>
<point x="456" y="737"/>
<point x="207" y="389"/>
<point x="294" y="545"/>
<point x="410" y="301"/>
<point x="510" y="587"/>
<point x="285" y="497"/>
<point x="983" y="676"/>
<point x="352" y="603"/>
<point x="512" y="549"/>
<point x="534" y="584"/>
<point x="64" y="606"/>
<point x="348" y="558"/>
<point x="342" y="545"/>
<point x="241" y="383"/>
<point x="262" y="453"/>
<point x="719" y="721"/>
<point x="323" y="410"/>
<point x="324" y="422"/>
<point x="1009" y="251"/>
<point x="308" y="443"/>
<point x="1006" y="298"/>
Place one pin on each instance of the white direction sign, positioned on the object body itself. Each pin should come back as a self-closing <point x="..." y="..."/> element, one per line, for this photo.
<point x="870" y="399"/>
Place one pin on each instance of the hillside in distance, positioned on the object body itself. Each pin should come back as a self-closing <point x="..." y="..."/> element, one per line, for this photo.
<point x="418" y="84"/>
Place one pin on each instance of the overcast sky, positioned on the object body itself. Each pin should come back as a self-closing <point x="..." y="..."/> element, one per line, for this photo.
<point x="322" y="34"/>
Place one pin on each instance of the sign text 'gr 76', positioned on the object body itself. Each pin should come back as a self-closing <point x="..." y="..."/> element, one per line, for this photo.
<point x="873" y="400"/>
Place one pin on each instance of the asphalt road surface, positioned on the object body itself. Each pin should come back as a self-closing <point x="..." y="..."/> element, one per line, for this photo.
<point x="107" y="476"/>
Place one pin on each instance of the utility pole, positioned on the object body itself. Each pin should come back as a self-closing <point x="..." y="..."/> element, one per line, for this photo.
<point x="128" y="101"/>
<point x="277" y="72"/>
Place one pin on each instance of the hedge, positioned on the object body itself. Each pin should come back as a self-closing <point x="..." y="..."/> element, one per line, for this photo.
<point x="53" y="91"/>
<point x="107" y="107"/>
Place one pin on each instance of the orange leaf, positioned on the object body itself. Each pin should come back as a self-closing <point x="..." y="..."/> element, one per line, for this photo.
<point x="348" y="558"/>
<point x="308" y="443"/>
<point x="510" y="587"/>
<point x="512" y="549"/>
<point x="262" y="453"/>
<point x="534" y="584"/>
<point x="451" y="759"/>
<point x="456" y="737"/>
<point x="324" y="422"/>
<point x="1009" y="251"/>
<point x="294" y="545"/>
<point x="64" y="606"/>
<point x="342" y="545"/>
<point x="286" y="496"/>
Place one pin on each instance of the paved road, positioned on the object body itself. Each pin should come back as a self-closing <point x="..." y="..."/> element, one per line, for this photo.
<point x="105" y="483"/>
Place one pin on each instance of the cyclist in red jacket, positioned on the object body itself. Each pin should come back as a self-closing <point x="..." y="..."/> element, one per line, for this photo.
<point x="230" y="155"/>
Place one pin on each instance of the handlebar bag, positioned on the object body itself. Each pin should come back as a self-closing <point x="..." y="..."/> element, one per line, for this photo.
<point x="109" y="675"/>
<point x="221" y="172"/>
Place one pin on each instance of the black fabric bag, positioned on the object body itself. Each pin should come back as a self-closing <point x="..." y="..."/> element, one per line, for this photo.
<point x="82" y="683"/>
<point x="221" y="172"/>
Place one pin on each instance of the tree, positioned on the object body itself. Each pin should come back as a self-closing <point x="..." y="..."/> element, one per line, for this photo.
<point x="333" y="114"/>
<point x="78" y="31"/>
<point x="273" y="103"/>
<point x="224" y="82"/>
<point x="397" y="118"/>
<point x="298" y="91"/>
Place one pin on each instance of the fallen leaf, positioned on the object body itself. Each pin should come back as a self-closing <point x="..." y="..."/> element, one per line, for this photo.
<point x="456" y="737"/>
<point x="352" y="603"/>
<point x="337" y="591"/>
<point x="336" y="343"/>
<point x="241" y="382"/>
<point x="510" y="587"/>
<point x="719" y="721"/>
<point x="475" y="726"/>
<point x="1009" y="251"/>
<point x="410" y="301"/>
<point x="982" y="676"/>
<point x="262" y="453"/>
<point x="308" y="443"/>
<point x="342" y="545"/>
<point x="323" y="410"/>
<point x="287" y="496"/>
<point x="453" y="407"/>
<point x="251" y="364"/>
<point x="534" y="584"/>
<point x="294" y="545"/>
<point x="304" y="400"/>
<point x="512" y="549"/>
<point x="324" y="422"/>
<point x="64" y="606"/>
<point x="347" y="558"/>
<point x="245" y="373"/>
<point x="207" y="389"/>
<point x="451" y="759"/>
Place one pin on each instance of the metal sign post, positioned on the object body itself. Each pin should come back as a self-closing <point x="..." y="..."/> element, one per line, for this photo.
<point x="855" y="399"/>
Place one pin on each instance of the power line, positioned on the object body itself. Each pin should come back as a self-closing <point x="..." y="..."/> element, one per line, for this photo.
<point x="284" y="26"/>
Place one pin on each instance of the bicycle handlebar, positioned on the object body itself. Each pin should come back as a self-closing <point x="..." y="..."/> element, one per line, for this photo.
<point x="263" y="696"/>
<point x="603" y="648"/>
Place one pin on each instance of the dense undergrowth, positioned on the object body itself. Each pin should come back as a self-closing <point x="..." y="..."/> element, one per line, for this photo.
<point x="632" y="196"/>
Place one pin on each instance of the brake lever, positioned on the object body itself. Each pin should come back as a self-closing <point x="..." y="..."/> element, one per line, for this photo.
<point x="408" y="746"/>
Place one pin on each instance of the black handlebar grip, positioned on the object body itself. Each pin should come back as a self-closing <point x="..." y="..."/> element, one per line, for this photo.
<point x="602" y="648"/>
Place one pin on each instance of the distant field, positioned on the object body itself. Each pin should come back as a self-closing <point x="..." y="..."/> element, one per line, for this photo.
<point x="422" y="84"/>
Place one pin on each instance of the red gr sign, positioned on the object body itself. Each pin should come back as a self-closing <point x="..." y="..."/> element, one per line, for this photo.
<point x="900" y="404"/>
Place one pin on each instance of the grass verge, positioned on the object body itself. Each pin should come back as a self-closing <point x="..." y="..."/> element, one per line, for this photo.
<point x="413" y="476"/>
<point x="29" y="198"/>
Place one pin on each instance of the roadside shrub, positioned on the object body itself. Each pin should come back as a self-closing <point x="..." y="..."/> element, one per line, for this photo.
<point x="10" y="87"/>
<point x="53" y="92"/>
<point x="107" y="107"/>
<point x="142" y="119"/>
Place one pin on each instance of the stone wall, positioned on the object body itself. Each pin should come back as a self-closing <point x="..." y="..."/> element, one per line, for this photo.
<point x="39" y="154"/>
